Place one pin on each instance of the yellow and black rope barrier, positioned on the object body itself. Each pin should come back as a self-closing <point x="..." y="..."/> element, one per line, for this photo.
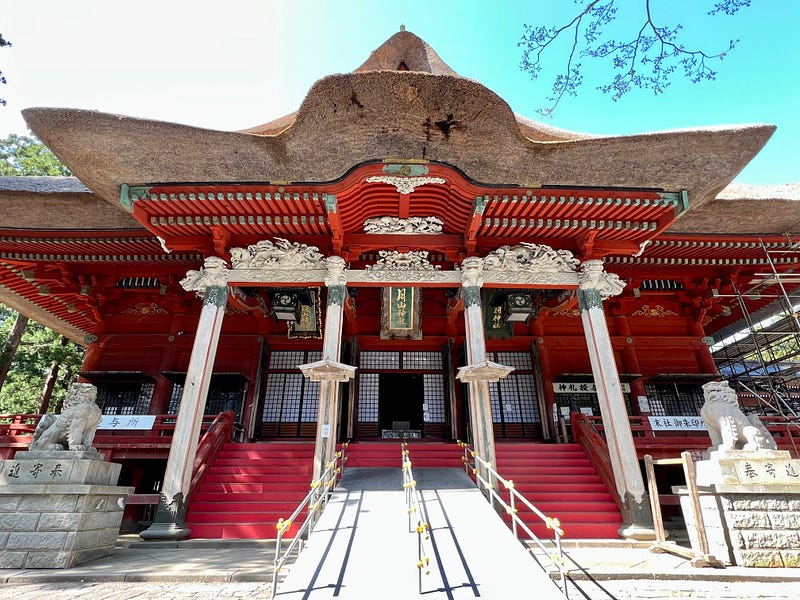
<point x="314" y="502"/>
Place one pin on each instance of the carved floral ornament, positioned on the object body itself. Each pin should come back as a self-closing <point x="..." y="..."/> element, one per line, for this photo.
<point x="396" y="225"/>
<point x="279" y="255"/>
<point x="407" y="263"/>
<point x="531" y="257"/>
<point x="281" y="260"/>
<point x="145" y="309"/>
<point x="653" y="311"/>
<point x="404" y="185"/>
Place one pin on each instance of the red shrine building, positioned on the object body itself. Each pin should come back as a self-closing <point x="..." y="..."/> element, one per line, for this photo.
<point x="404" y="256"/>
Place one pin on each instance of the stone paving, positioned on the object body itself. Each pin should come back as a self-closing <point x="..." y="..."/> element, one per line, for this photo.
<point x="137" y="591"/>
<point x="627" y="589"/>
<point x="201" y="569"/>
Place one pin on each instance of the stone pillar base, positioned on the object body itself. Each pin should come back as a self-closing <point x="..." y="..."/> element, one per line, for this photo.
<point x="638" y="520"/>
<point x="165" y="531"/>
<point x="58" y="511"/>
<point x="169" y="522"/>
<point x="640" y="533"/>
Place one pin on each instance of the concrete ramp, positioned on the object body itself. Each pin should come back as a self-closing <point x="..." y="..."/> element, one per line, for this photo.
<point x="361" y="547"/>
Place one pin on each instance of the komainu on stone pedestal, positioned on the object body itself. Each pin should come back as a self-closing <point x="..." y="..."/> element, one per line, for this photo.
<point x="728" y="427"/>
<point x="75" y="427"/>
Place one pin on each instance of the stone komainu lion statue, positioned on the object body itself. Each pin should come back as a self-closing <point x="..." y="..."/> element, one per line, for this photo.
<point x="728" y="427"/>
<point x="74" y="428"/>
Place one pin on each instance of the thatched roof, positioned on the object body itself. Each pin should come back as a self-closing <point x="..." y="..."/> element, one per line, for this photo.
<point x="746" y="209"/>
<point x="57" y="203"/>
<point x="377" y="112"/>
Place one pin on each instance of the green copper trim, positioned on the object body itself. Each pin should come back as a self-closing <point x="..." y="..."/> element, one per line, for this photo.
<point x="330" y="202"/>
<point x="336" y="294"/>
<point x="128" y="194"/>
<point x="472" y="295"/>
<point x="678" y="200"/>
<point x="216" y="295"/>
<point x="684" y="201"/>
<point x="405" y="170"/>
<point x="125" y="198"/>
<point x="479" y="205"/>
<point x="588" y="299"/>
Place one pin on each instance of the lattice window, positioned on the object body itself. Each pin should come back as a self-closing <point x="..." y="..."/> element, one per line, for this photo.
<point x="289" y="397"/>
<point x="584" y="400"/>
<point x="422" y="361"/>
<point x="521" y="361"/>
<point x="286" y="360"/>
<point x="434" y="397"/>
<point x="674" y="399"/>
<point x="308" y="412"/>
<point x="368" y="394"/>
<point x="513" y="399"/>
<point x="380" y="361"/>
<point x="125" y="398"/>
<point x="273" y="396"/>
<point x="219" y="400"/>
<point x="221" y="397"/>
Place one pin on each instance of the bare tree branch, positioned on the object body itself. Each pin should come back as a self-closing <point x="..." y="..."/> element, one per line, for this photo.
<point x="3" y="42"/>
<point x="647" y="59"/>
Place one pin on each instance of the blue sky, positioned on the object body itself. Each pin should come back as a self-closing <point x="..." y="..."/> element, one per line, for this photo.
<point x="234" y="64"/>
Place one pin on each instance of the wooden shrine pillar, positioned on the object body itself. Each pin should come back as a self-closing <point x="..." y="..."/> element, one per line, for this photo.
<point x="329" y="371"/>
<point x="595" y="285"/>
<point x="479" y="371"/>
<point x="211" y="283"/>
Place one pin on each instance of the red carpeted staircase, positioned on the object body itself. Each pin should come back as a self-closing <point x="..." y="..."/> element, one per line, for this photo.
<point x="559" y="480"/>
<point x="249" y="488"/>
<point x="388" y="454"/>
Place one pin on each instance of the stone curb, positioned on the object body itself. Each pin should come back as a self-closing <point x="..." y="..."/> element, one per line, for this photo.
<point x="61" y="577"/>
<point x="716" y="575"/>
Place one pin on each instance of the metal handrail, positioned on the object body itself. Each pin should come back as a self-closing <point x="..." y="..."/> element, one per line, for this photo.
<point x="475" y="466"/>
<point x="316" y="499"/>
<point x="415" y="509"/>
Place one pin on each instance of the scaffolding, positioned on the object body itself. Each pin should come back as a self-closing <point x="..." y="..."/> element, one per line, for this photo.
<point x="762" y="360"/>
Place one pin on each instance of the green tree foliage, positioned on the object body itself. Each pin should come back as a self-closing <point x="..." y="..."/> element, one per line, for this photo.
<point x="23" y="155"/>
<point x="40" y="346"/>
<point x="647" y="56"/>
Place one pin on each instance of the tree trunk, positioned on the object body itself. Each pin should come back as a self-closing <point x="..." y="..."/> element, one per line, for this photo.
<point x="11" y="346"/>
<point x="50" y="382"/>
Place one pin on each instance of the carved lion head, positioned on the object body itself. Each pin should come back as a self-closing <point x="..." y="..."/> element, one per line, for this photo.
<point x="80" y="393"/>
<point x="720" y="392"/>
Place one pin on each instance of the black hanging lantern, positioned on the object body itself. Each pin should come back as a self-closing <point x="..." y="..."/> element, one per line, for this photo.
<point x="286" y="305"/>
<point x="518" y="307"/>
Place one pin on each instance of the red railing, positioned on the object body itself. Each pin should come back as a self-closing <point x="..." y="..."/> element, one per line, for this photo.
<point x="596" y="450"/>
<point x="219" y="432"/>
<point x="16" y="429"/>
<point x="670" y="444"/>
<point x="13" y="425"/>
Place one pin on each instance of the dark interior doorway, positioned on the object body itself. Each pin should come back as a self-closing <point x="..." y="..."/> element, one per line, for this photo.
<point x="401" y="398"/>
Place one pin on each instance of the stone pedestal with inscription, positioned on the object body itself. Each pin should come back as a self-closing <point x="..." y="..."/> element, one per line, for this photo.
<point x="58" y="509"/>
<point x="750" y="503"/>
